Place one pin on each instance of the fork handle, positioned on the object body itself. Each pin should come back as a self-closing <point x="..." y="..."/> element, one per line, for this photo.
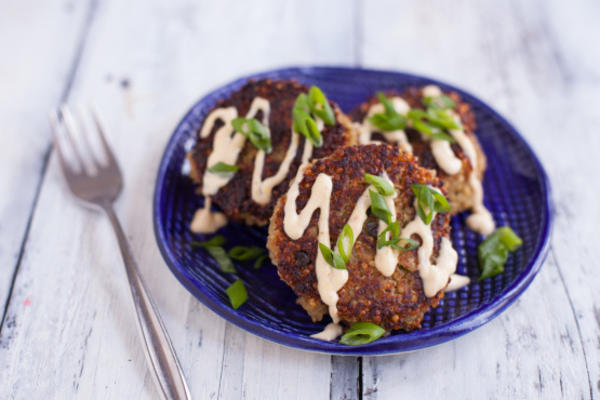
<point x="159" y="350"/>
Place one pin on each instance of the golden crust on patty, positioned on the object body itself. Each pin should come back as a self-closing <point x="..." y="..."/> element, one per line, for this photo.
<point x="395" y="302"/>
<point x="235" y="198"/>
<point x="460" y="192"/>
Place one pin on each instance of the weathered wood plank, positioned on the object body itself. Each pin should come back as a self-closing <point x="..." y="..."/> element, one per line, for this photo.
<point x="523" y="59"/>
<point x="71" y="329"/>
<point x="39" y="50"/>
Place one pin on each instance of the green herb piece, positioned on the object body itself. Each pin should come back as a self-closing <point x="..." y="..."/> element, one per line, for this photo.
<point x="222" y="259"/>
<point x="429" y="200"/>
<point x="383" y="186"/>
<point x="442" y="102"/>
<point x="493" y="251"/>
<point x="259" y="261"/>
<point x="319" y="105"/>
<point x="420" y="122"/>
<point x="217" y="240"/>
<point x="390" y="120"/>
<point x="257" y="133"/>
<point x="331" y="257"/>
<point x="379" y="207"/>
<point x="346" y="236"/>
<point x="244" y="253"/>
<point x="395" y="240"/>
<point x="442" y="119"/>
<point x="221" y="167"/>
<point x="304" y="123"/>
<point x="362" y="333"/>
<point x="237" y="294"/>
<point x="218" y="253"/>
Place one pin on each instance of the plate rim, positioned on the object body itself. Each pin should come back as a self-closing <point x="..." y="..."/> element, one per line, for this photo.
<point x="417" y="339"/>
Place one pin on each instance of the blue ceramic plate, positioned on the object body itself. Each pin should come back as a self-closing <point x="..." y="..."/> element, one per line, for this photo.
<point x="516" y="191"/>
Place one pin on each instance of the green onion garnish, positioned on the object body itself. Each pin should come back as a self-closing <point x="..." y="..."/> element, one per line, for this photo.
<point x="429" y="200"/>
<point x="442" y="119"/>
<point x="345" y="237"/>
<point x="237" y="294"/>
<point x="379" y="207"/>
<point x="244" y="253"/>
<point x="331" y="257"/>
<point x="218" y="253"/>
<point x="420" y="121"/>
<point x="319" y="105"/>
<point x="395" y="240"/>
<point x="259" y="261"/>
<point x="362" y="333"/>
<point x="217" y="240"/>
<point x="383" y="186"/>
<point x="390" y="120"/>
<point x="493" y="251"/>
<point x="223" y="167"/>
<point x="304" y="123"/>
<point x="442" y="102"/>
<point x="256" y="132"/>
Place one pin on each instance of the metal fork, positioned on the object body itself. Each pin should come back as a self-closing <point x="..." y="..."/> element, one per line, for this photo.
<point x="100" y="189"/>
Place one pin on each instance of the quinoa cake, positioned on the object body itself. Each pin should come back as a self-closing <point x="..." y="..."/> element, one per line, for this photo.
<point x="458" y="186"/>
<point x="392" y="299"/>
<point x="246" y="195"/>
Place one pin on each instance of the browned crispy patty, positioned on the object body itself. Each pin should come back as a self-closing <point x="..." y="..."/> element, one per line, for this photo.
<point x="460" y="193"/>
<point x="235" y="198"/>
<point x="395" y="302"/>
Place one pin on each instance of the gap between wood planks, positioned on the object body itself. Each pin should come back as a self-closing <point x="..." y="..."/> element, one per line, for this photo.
<point x="46" y="158"/>
<point x="579" y="334"/>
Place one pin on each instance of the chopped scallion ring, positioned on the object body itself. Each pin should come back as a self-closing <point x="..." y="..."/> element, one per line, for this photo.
<point x="362" y="333"/>
<point x="237" y="294"/>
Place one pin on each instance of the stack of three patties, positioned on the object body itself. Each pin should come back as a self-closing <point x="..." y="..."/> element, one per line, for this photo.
<point x="341" y="194"/>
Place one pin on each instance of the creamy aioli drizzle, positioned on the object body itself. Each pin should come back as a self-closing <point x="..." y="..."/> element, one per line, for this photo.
<point x="434" y="276"/>
<point x="227" y="145"/>
<point x="480" y="220"/>
<point x="330" y="332"/>
<point x="457" y="282"/>
<point x="366" y="129"/>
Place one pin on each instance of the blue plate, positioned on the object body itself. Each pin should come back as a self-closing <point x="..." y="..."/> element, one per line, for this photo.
<point x="516" y="191"/>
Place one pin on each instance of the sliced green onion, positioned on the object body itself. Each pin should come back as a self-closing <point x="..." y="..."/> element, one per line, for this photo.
<point x="429" y="200"/>
<point x="259" y="261"/>
<point x="362" y="333"/>
<point x="442" y="119"/>
<point x="218" y="253"/>
<point x="331" y="257"/>
<point x="221" y="167"/>
<point x="442" y="102"/>
<point x="346" y="236"/>
<point x="379" y="207"/>
<point x="383" y="186"/>
<point x="245" y="253"/>
<point x="430" y="130"/>
<point x="217" y="240"/>
<point x="257" y="133"/>
<point x="304" y="123"/>
<point x="319" y="105"/>
<point x="222" y="259"/>
<point x="237" y="294"/>
<point x="390" y="120"/>
<point x="395" y="240"/>
<point x="493" y="251"/>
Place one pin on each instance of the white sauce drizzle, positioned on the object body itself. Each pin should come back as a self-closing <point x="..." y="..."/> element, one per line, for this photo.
<point x="481" y="219"/>
<point x="330" y="332"/>
<point x="434" y="276"/>
<point x="457" y="282"/>
<point x="206" y="221"/>
<point x="227" y="145"/>
<point x="366" y="129"/>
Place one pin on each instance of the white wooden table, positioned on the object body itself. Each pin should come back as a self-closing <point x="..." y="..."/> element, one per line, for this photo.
<point x="67" y="327"/>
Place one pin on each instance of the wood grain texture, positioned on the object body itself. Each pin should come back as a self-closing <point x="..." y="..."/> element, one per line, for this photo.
<point x="71" y="330"/>
<point x="523" y="59"/>
<point x="68" y="330"/>
<point x="39" y="52"/>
